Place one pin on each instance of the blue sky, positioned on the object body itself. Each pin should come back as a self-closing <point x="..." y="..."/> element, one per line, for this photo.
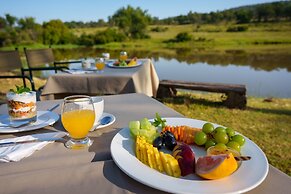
<point x="92" y="10"/>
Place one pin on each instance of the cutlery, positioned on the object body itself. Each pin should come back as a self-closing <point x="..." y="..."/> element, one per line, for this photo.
<point x="53" y="108"/>
<point x="12" y="143"/>
<point x="104" y="121"/>
<point x="14" y="124"/>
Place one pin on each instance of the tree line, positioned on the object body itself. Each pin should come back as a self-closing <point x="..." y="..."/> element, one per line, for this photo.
<point x="276" y="11"/>
<point x="127" y="23"/>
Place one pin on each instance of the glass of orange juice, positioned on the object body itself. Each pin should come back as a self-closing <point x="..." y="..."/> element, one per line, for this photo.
<point x="123" y="56"/>
<point x="78" y="116"/>
<point x="100" y="64"/>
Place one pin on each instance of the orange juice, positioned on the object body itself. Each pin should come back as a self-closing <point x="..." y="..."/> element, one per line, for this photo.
<point x="78" y="122"/>
<point x="123" y="56"/>
<point x="100" y="65"/>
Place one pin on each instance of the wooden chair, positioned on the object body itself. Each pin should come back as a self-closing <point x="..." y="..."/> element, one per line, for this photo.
<point x="43" y="60"/>
<point x="10" y="61"/>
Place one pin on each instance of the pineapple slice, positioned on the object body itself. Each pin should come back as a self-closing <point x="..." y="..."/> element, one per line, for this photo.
<point x="137" y="148"/>
<point x="174" y="165"/>
<point x="149" y="155"/>
<point x="158" y="160"/>
<point x="166" y="164"/>
<point x="153" y="158"/>
<point x="144" y="153"/>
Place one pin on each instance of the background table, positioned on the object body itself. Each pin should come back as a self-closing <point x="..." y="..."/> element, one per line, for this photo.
<point x="140" y="79"/>
<point x="55" y="169"/>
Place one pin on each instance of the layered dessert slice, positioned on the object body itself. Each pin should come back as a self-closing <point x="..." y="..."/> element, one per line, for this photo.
<point x="22" y="106"/>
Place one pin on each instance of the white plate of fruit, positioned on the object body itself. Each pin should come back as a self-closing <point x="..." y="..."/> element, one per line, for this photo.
<point x="154" y="159"/>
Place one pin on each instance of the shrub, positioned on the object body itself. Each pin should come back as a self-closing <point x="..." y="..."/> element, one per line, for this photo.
<point x="103" y="37"/>
<point x="183" y="37"/>
<point x="159" y="29"/>
<point x="109" y="35"/>
<point x="237" y="29"/>
<point x="180" y="37"/>
<point x="87" y="40"/>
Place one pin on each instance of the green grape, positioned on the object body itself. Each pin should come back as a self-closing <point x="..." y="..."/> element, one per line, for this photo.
<point x="134" y="125"/>
<point x="219" y="129"/>
<point x="221" y="137"/>
<point x="234" y="145"/>
<point x="239" y="139"/>
<point x="220" y="146"/>
<point x="207" y="128"/>
<point x="230" y="132"/>
<point x="209" y="143"/>
<point x="145" y="124"/>
<point x="200" y="138"/>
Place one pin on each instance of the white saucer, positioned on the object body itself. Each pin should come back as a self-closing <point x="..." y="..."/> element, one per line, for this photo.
<point x="102" y="126"/>
<point x="44" y="118"/>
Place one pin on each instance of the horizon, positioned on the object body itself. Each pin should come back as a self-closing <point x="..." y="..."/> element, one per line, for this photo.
<point x="46" y="11"/>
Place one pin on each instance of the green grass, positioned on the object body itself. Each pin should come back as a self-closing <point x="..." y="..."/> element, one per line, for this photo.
<point x="79" y="31"/>
<point x="266" y="123"/>
<point x="209" y="36"/>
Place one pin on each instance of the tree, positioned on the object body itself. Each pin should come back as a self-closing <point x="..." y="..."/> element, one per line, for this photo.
<point x="265" y="12"/>
<point x="27" y="23"/>
<point x="287" y="11"/>
<point x="244" y="16"/>
<point x="10" y="19"/>
<point x="2" y="23"/>
<point x="56" y="32"/>
<point x="132" y="22"/>
<point x="101" y="22"/>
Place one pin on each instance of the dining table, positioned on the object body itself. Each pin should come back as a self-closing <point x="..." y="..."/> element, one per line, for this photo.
<point x="56" y="169"/>
<point x="140" y="78"/>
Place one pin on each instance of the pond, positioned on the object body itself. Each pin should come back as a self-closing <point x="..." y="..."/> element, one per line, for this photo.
<point x="265" y="74"/>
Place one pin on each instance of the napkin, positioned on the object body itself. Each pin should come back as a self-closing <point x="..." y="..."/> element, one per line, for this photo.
<point x="20" y="151"/>
<point x="79" y="71"/>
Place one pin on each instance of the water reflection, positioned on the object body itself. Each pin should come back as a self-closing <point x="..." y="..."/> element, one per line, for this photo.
<point x="265" y="73"/>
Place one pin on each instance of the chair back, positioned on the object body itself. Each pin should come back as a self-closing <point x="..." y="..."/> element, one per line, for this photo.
<point x="9" y="60"/>
<point x="38" y="57"/>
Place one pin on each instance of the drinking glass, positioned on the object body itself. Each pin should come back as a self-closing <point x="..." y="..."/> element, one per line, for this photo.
<point x="123" y="56"/>
<point x="100" y="64"/>
<point x="78" y="116"/>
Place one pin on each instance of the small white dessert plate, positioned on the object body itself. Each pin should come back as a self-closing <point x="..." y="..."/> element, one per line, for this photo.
<point x="44" y="118"/>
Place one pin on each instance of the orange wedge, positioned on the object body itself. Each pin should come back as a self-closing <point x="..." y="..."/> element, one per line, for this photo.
<point x="216" y="166"/>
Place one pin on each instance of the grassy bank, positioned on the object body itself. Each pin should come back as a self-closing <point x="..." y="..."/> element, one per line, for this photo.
<point x="209" y="36"/>
<point x="266" y="123"/>
<point x="260" y="36"/>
